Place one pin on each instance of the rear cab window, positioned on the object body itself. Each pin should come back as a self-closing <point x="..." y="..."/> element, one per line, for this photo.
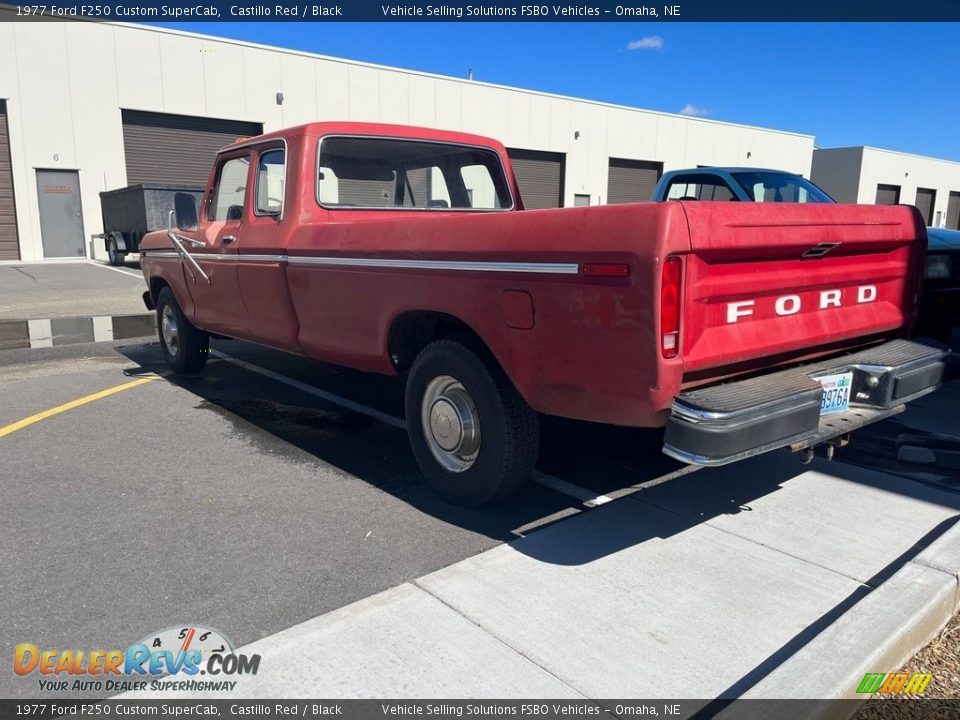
<point x="384" y="173"/>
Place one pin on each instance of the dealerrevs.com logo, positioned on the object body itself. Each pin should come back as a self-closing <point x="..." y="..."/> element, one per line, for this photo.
<point x="172" y="659"/>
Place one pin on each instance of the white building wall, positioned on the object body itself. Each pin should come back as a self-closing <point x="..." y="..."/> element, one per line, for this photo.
<point x="886" y="167"/>
<point x="909" y="172"/>
<point x="66" y="83"/>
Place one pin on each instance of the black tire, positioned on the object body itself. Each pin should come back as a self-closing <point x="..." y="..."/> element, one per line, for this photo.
<point x="509" y="430"/>
<point x="115" y="255"/>
<point x="189" y="352"/>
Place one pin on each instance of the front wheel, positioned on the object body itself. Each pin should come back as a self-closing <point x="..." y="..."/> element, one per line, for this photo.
<point x="185" y="347"/>
<point x="473" y="436"/>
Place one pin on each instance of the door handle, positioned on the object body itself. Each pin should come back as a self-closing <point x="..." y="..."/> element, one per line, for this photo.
<point x="227" y="239"/>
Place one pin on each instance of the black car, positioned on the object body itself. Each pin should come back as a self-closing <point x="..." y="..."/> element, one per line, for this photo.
<point x="940" y="302"/>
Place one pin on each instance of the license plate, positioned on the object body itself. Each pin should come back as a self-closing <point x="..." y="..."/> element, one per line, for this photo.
<point x="836" y="392"/>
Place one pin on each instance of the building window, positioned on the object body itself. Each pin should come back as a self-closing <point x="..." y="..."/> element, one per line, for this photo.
<point x="581" y="200"/>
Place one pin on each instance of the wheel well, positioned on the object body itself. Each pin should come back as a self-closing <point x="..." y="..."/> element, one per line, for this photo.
<point x="413" y="331"/>
<point x="156" y="285"/>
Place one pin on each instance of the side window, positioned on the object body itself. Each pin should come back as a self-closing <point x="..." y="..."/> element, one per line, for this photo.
<point x="682" y="187"/>
<point x="230" y="190"/>
<point x="270" y="176"/>
<point x="480" y="188"/>
<point x="699" y="187"/>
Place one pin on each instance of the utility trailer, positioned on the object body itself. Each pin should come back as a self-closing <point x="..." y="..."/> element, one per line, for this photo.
<point x="130" y="213"/>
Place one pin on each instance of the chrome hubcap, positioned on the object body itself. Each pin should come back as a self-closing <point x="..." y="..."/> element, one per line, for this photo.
<point x="168" y="328"/>
<point x="450" y="423"/>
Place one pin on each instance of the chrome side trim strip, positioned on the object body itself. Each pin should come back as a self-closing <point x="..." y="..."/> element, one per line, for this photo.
<point x="467" y="265"/>
<point x="207" y="256"/>
<point x="464" y="265"/>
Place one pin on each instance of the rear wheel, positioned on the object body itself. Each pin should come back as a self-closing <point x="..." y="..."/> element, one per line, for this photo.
<point x="185" y="347"/>
<point x="473" y="436"/>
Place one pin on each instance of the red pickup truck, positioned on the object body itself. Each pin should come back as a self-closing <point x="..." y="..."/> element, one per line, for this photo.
<point x="740" y="327"/>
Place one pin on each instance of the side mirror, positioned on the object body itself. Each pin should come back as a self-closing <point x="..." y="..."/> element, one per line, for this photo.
<point x="185" y="211"/>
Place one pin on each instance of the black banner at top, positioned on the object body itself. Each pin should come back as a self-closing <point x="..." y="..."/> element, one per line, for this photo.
<point x="484" y="11"/>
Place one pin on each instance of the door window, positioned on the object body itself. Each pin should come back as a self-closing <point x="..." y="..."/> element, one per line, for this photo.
<point x="230" y="190"/>
<point x="270" y="181"/>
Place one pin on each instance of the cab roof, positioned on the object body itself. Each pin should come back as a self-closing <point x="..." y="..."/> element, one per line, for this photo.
<point x="319" y="129"/>
<point x="729" y="169"/>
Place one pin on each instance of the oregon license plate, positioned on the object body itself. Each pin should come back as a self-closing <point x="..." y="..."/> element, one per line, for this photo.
<point x="836" y="392"/>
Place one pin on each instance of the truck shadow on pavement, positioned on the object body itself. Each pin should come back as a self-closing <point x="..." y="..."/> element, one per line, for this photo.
<point x="302" y="428"/>
<point x="602" y="459"/>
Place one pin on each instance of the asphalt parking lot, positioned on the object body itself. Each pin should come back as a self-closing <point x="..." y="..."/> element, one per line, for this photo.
<point x="250" y="499"/>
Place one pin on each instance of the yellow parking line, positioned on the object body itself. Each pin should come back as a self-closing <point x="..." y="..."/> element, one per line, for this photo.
<point x="27" y="421"/>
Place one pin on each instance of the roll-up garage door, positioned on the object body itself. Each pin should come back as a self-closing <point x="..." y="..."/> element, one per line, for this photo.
<point x="540" y="177"/>
<point x="888" y="194"/>
<point x="926" y="199"/>
<point x="953" y="211"/>
<point x="632" y="180"/>
<point x="9" y="246"/>
<point x="176" y="149"/>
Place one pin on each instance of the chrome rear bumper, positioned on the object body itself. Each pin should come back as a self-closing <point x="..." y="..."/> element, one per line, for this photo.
<point x="724" y="423"/>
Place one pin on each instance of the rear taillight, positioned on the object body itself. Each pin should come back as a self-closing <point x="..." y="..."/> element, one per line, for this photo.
<point x="670" y="307"/>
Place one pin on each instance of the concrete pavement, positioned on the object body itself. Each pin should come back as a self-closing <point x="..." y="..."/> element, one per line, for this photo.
<point x="245" y="502"/>
<point x="31" y="291"/>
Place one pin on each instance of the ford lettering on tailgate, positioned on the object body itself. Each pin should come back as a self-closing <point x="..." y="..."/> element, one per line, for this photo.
<point x="792" y="304"/>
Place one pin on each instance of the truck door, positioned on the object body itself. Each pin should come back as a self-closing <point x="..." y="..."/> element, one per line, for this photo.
<point x="219" y="305"/>
<point x="262" y="267"/>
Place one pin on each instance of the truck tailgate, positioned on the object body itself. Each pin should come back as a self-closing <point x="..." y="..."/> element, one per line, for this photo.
<point x="781" y="280"/>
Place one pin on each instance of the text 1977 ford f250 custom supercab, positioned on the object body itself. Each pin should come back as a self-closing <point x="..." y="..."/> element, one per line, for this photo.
<point x="741" y="327"/>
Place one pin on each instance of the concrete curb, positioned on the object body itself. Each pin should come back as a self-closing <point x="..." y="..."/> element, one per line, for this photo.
<point x="878" y="634"/>
<point x="944" y="555"/>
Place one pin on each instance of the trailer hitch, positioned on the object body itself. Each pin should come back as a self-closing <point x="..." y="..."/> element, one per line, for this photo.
<point x="806" y="454"/>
